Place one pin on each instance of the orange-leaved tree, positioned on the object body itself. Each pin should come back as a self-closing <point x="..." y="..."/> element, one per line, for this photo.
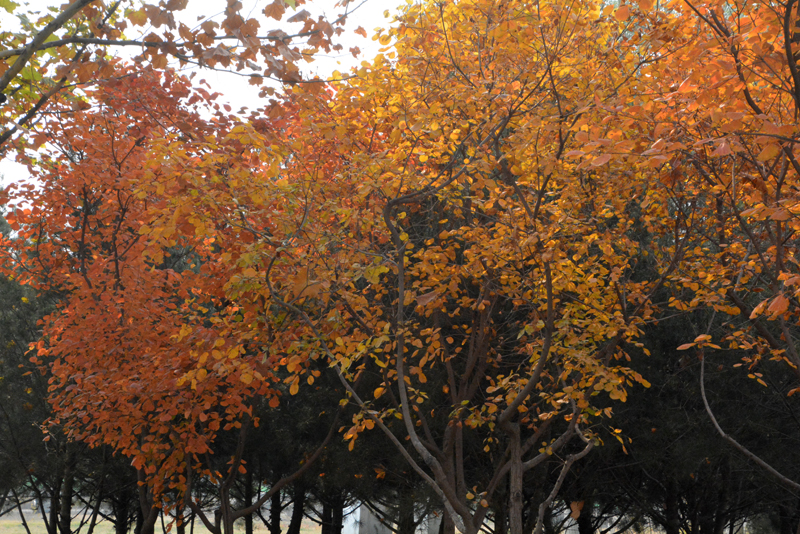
<point x="141" y="350"/>
<point x="718" y="127"/>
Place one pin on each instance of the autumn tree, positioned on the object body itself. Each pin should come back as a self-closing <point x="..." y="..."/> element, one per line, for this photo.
<point x="441" y="224"/>
<point x="154" y="310"/>
<point x="719" y="129"/>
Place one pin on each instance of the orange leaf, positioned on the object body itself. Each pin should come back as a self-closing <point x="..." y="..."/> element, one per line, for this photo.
<point x="275" y="10"/>
<point x="576" y="507"/>
<point x="601" y="160"/>
<point x="779" y="305"/>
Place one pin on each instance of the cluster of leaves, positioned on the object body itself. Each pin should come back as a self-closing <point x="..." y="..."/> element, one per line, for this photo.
<point x="63" y="49"/>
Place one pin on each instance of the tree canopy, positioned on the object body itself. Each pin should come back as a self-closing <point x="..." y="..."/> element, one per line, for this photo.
<point x="472" y="234"/>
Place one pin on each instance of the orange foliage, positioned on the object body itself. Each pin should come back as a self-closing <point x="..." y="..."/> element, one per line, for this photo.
<point x="141" y="356"/>
<point x="477" y="222"/>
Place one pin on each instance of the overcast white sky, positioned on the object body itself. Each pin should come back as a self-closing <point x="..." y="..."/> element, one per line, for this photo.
<point x="236" y="90"/>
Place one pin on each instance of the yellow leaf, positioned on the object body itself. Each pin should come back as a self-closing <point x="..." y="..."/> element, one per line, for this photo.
<point x="138" y="18"/>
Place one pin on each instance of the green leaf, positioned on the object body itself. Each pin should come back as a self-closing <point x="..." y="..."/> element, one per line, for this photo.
<point x="8" y="5"/>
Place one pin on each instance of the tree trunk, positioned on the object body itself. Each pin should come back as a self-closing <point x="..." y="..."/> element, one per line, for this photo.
<point x="248" y="500"/>
<point x="180" y="520"/>
<point x="327" y="518"/>
<point x="672" y="513"/>
<point x="67" y="490"/>
<point x="226" y="511"/>
<point x="275" y="510"/>
<point x="500" y="517"/>
<point x="586" y="520"/>
<point x="119" y="505"/>
<point x="55" y="495"/>
<point x="299" y="502"/>
<point x="448" y="526"/>
<point x="405" y="514"/>
<point x="538" y="483"/>
<point x="515" y="484"/>
<point x="337" y="515"/>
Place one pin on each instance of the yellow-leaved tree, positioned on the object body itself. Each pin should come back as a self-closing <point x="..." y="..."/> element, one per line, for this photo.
<point x="438" y="229"/>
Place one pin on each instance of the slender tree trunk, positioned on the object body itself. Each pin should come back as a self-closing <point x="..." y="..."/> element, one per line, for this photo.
<point x="180" y="520"/>
<point x="248" y="500"/>
<point x="3" y="499"/>
<point x="275" y="510"/>
<point x="120" y="509"/>
<point x="538" y="482"/>
<point x="500" y="517"/>
<point x="405" y="513"/>
<point x="672" y="513"/>
<point x="226" y="511"/>
<point x="723" y="499"/>
<point x="148" y="513"/>
<point x="55" y="505"/>
<point x="297" y="509"/>
<point x="515" y="484"/>
<point x="67" y="490"/>
<point x="448" y="526"/>
<point x="327" y="518"/>
<point x="137" y="528"/>
<point x="586" y="519"/>
<point x="337" y="515"/>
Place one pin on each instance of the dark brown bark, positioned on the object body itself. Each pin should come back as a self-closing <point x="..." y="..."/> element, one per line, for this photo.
<point x="515" y="474"/>
<point x="327" y="519"/>
<point x="65" y="500"/>
<point x="275" y="509"/>
<point x="298" y="504"/>
<point x="248" y="500"/>
<point x="405" y="512"/>
<point x="55" y="503"/>
<point x="500" y="517"/>
<point x="586" y="519"/>
<point x="671" y="510"/>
